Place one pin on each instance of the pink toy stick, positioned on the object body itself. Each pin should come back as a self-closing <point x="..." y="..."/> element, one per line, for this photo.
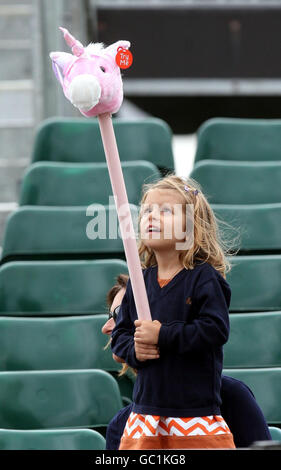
<point x="121" y="199"/>
<point x="94" y="72"/>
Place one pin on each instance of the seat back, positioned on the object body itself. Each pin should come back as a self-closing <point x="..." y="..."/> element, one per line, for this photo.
<point x="35" y="288"/>
<point x="235" y="182"/>
<point x="57" y="399"/>
<point x="254" y="229"/>
<point x="55" y="439"/>
<point x="79" y="140"/>
<point x="81" y="184"/>
<point x="239" y="139"/>
<point x="265" y="384"/>
<point x="64" y="233"/>
<point x="275" y="433"/>
<point x="61" y="343"/>
<point x="254" y="340"/>
<point x="255" y="283"/>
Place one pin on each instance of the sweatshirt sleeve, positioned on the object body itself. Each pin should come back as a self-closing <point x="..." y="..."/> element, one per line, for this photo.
<point x="122" y="336"/>
<point x="209" y="326"/>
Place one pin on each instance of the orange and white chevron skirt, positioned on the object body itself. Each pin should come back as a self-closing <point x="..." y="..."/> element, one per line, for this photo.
<point x="158" y="432"/>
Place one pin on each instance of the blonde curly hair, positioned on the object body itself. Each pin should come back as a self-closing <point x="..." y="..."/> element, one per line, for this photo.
<point x="209" y="238"/>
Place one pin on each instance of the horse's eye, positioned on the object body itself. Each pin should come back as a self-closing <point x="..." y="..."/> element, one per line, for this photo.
<point x="102" y="68"/>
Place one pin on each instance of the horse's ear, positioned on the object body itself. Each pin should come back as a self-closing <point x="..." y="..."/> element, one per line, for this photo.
<point x="60" y="60"/>
<point x="112" y="49"/>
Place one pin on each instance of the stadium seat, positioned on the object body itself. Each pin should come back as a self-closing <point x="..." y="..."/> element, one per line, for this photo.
<point x="265" y="384"/>
<point x="79" y="140"/>
<point x="81" y="184"/>
<point x="58" y="399"/>
<point x="74" y="342"/>
<point x="239" y="139"/>
<point x="35" y="288"/>
<point x="254" y="229"/>
<point x="55" y="439"/>
<point x="255" y="283"/>
<point x="275" y="433"/>
<point x="254" y="340"/>
<point x="37" y="233"/>
<point x="61" y="343"/>
<point x="234" y="182"/>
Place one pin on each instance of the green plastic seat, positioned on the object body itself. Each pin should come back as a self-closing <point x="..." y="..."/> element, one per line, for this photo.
<point x="58" y="399"/>
<point x="81" y="184"/>
<point x="255" y="283"/>
<point x="265" y="384"/>
<point x="55" y="439"/>
<point x="79" y="140"/>
<point x="57" y="287"/>
<point x="74" y="342"/>
<point x="64" y="233"/>
<point x="255" y="228"/>
<point x="233" y="182"/>
<point x="254" y="340"/>
<point x="239" y="139"/>
<point x="275" y="433"/>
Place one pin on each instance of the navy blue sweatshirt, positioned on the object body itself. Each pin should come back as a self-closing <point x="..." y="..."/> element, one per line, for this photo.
<point x="193" y="310"/>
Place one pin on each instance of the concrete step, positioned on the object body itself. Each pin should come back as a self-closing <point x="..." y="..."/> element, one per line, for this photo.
<point x="16" y="142"/>
<point x="16" y="64"/>
<point x="15" y="22"/>
<point x="11" y="175"/>
<point x="16" y="101"/>
<point x="16" y="2"/>
<point x="14" y="8"/>
<point x="15" y="41"/>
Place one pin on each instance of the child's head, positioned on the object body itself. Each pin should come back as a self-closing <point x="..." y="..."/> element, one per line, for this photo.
<point x="175" y="215"/>
<point x="114" y="299"/>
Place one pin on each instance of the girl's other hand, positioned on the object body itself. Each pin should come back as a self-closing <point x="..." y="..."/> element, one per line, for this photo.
<point x="146" y="351"/>
<point x="147" y="331"/>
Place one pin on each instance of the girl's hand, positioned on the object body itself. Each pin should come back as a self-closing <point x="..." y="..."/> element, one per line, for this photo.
<point x="147" y="331"/>
<point x="146" y="351"/>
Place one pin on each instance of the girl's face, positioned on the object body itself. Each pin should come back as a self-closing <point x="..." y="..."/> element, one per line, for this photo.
<point x="163" y="219"/>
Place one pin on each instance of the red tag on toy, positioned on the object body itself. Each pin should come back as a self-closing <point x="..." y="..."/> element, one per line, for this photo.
<point x="124" y="58"/>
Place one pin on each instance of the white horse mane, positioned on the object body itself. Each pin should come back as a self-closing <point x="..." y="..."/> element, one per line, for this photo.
<point x="96" y="48"/>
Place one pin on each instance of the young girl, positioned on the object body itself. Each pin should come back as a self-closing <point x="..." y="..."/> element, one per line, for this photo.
<point x="178" y="355"/>
<point x="239" y="407"/>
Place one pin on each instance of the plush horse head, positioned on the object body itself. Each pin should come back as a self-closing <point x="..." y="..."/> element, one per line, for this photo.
<point x="90" y="76"/>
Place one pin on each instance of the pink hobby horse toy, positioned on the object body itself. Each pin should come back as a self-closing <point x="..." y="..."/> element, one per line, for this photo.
<point x="91" y="81"/>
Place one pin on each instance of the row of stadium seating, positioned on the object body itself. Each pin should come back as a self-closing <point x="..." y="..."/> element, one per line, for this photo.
<point x="78" y="141"/>
<point x="238" y="164"/>
<point x="64" y="232"/>
<point x="58" y="403"/>
<point x="80" y="286"/>
<point x="243" y="194"/>
<point x="73" y="342"/>
<point x="55" y="275"/>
